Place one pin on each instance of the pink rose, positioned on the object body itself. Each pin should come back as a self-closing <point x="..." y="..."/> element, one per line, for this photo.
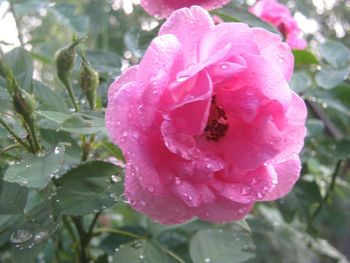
<point x="207" y="121"/>
<point x="279" y="15"/>
<point x="163" y="8"/>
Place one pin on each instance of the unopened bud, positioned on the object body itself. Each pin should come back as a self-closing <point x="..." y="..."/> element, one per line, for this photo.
<point x="88" y="80"/>
<point x="65" y="58"/>
<point x="24" y="103"/>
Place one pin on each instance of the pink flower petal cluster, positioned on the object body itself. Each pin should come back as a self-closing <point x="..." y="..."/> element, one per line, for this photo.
<point x="163" y="8"/>
<point x="207" y="121"/>
<point x="279" y="15"/>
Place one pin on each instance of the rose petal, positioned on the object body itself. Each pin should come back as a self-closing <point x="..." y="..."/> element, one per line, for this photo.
<point x="272" y="48"/>
<point x="189" y="26"/>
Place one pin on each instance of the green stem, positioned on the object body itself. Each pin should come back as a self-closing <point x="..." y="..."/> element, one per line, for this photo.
<point x="329" y="191"/>
<point x="33" y="135"/>
<point x="68" y="85"/>
<point x="84" y="240"/>
<point x="86" y="146"/>
<point x="173" y="255"/>
<point x="9" y="148"/>
<point x="73" y="237"/>
<point x="14" y="135"/>
<point x="92" y="225"/>
<point x="117" y="232"/>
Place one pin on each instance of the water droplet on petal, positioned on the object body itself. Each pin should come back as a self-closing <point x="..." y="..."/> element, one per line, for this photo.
<point x="241" y="210"/>
<point x="246" y="190"/>
<point x="182" y="78"/>
<point x="254" y="181"/>
<point x="224" y="66"/>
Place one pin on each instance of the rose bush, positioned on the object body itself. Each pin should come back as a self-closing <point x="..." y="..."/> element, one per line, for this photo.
<point x="279" y="15"/>
<point x="207" y="121"/>
<point x="163" y="8"/>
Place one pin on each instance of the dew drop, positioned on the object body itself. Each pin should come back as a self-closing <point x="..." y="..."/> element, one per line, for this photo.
<point x="259" y="195"/>
<point x="246" y="190"/>
<point x="57" y="150"/>
<point x="40" y="236"/>
<point x="224" y="66"/>
<point x="182" y="78"/>
<point x="20" y="236"/>
<point x="254" y="181"/>
<point x="177" y="181"/>
<point x="116" y="178"/>
<point x="24" y="181"/>
<point x="207" y="260"/>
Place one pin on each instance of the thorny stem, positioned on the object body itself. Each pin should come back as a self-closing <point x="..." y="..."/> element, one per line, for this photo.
<point x="14" y="135"/>
<point x="329" y="191"/>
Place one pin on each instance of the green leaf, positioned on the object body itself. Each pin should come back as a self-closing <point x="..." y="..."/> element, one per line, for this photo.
<point x="301" y="81"/>
<point x="86" y="124"/>
<point x="48" y="98"/>
<point x="32" y="228"/>
<point x="6" y="222"/>
<point x="337" y="150"/>
<point x="143" y="251"/>
<point x="88" y="188"/>
<point x="237" y="14"/>
<point x="5" y="99"/>
<point x="67" y="15"/>
<point x="304" y="57"/>
<point x="73" y="152"/>
<point x="114" y="150"/>
<point x="137" y="40"/>
<point x="21" y="64"/>
<point x="75" y="123"/>
<point x="335" y="53"/>
<point x="315" y="127"/>
<point x="13" y="198"/>
<point x="36" y="171"/>
<point x="104" y="61"/>
<point x="228" y="245"/>
<point x="112" y="241"/>
<point x="301" y="200"/>
<point x="330" y="78"/>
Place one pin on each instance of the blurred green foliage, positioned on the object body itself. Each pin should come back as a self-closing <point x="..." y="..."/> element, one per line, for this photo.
<point x="65" y="204"/>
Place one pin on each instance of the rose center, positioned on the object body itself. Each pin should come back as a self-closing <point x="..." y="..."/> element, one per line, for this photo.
<point x="217" y="125"/>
